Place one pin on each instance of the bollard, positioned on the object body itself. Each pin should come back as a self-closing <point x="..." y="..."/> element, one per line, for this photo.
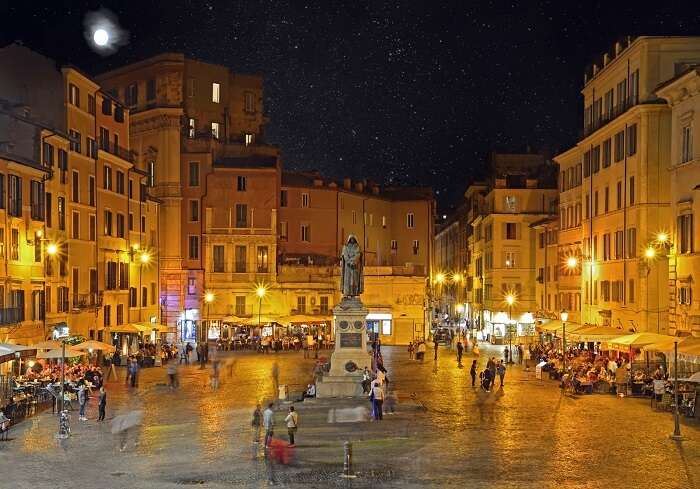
<point x="347" y="461"/>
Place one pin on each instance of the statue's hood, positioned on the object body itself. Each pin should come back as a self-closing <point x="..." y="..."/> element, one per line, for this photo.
<point x="351" y="236"/>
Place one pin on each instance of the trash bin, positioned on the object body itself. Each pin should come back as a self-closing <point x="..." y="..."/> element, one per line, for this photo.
<point x="283" y="392"/>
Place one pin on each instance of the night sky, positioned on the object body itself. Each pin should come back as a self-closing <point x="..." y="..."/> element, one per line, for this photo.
<point x="411" y="93"/>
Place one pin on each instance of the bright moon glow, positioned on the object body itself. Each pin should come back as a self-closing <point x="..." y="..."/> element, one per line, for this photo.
<point x="101" y="37"/>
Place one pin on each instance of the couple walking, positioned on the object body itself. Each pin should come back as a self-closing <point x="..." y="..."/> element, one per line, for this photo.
<point x="268" y="422"/>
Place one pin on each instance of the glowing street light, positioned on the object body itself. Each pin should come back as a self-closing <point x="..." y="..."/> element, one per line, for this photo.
<point x="209" y="297"/>
<point x="145" y="258"/>
<point x="510" y="299"/>
<point x="650" y="252"/>
<point x="456" y="277"/>
<point x="572" y="262"/>
<point x="440" y="278"/>
<point x="52" y="249"/>
<point x="662" y="237"/>
<point x="260" y="291"/>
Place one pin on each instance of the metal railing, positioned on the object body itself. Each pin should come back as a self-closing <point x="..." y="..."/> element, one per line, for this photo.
<point x="11" y="315"/>
<point x="87" y="301"/>
<point x="116" y="150"/>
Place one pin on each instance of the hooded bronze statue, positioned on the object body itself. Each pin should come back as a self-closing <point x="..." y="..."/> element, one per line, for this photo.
<point x="351" y="280"/>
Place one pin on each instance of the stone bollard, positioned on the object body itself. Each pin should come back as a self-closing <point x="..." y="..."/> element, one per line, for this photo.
<point x="347" y="461"/>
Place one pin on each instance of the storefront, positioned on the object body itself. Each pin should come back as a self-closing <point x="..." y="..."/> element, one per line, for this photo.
<point x="379" y="324"/>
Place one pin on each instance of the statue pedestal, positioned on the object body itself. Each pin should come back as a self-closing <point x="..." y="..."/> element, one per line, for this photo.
<point x="350" y="356"/>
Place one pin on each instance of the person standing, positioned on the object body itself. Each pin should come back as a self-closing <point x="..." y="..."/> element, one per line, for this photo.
<point x="134" y="372"/>
<point x="102" y="404"/>
<point x="256" y="423"/>
<point x="520" y="354"/>
<point x="501" y="372"/>
<point x="492" y="369"/>
<point x="411" y="349"/>
<point x="269" y="423"/>
<point x="172" y="375"/>
<point x="435" y="344"/>
<point x="82" y="401"/>
<point x="378" y="400"/>
<point x="421" y="351"/>
<point x="292" y="420"/>
<point x="460" y="350"/>
<point x="506" y="353"/>
<point x="472" y="372"/>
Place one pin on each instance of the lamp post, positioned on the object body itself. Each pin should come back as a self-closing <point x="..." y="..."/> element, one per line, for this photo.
<point x="208" y="298"/>
<point x="676" y="415"/>
<point x="510" y="299"/>
<point x="564" y="317"/>
<point x="144" y="259"/>
<point x="260" y="291"/>
<point x="63" y="431"/>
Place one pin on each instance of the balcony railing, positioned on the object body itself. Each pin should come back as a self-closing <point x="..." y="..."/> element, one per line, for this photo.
<point x="117" y="150"/>
<point x="87" y="301"/>
<point x="11" y="315"/>
<point x="606" y="118"/>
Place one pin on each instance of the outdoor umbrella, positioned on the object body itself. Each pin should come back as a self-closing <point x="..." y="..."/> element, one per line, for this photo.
<point x="47" y="345"/>
<point x="123" y="422"/>
<point x="58" y="353"/>
<point x="94" y="345"/>
<point x="693" y="378"/>
<point x="10" y="348"/>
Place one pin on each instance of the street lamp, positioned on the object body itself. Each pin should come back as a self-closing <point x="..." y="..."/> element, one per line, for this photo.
<point x="440" y="278"/>
<point x="676" y="415"/>
<point x="510" y="299"/>
<point x="650" y="252"/>
<point x="572" y="262"/>
<point x="564" y="317"/>
<point x="260" y="291"/>
<point x="144" y="259"/>
<point x="208" y="298"/>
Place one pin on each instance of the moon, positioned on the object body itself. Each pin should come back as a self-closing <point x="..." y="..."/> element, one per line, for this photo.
<point x="101" y="37"/>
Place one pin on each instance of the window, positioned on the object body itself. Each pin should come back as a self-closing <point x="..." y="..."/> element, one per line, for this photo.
<point x="215" y="130"/>
<point x="410" y="220"/>
<point x="215" y="92"/>
<point x="120" y="314"/>
<point x="606" y="247"/>
<point x="632" y="140"/>
<point x="241" y="259"/>
<point x="75" y="225"/>
<point x="74" y="95"/>
<point x="384" y="222"/>
<point x="511" y="230"/>
<point x="306" y="233"/>
<point x="91" y="104"/>
<point x="509" y="260"/>
<point x="631" y="243"/>
<point x="194" y="247"/>
<point x="75" y="188"/>
<point x="144" y="296"/>
<point x="607" y="199"/>
<point x="323" y="304"/>
<point x="151" y="89"/>
<point x="301" y="304"/>
<point x="131" y="188"/>
<point x="75" y="141"/>
<point x="14" y="244"/>
<point x="619" y="146"/>
<point x="194" y="210"/>
<point x="595" y="203"/>
<point x="305" y="199"/>
<point x="151" y="170"/>
<point x="634" y="87"/>
<point x="143" y="224"/>
<point x="587" y="164"/>
<point x="93" y="227"/>
<point x="619" y="244"/>
<point x="91" y="147"/>
<point x="191" y="286"/>
<point x="630" y="295"/>
<point x="262" y="259"/>
<point x="218" y="258"/>
<point x="120" y="182"/>
<point x="48" y="155"/>
<point x="120" y="225"/>
<point x="191" y="128"/>
<point x="91" y="190"/>
<point x="123" y="275"/>
<point x="104" y="138"/>
<point x="354" y="218"/>
<point x="194" y="173"/>
<point x="106" y="106"/>
<point x="283" y="198"/>
<point x="190" y="87"/>
<point x="108" y="223"/>
<point x="241" y="181"/>
<point x="608" y="105"/>
<point x="685" y="233"/>
<point x="607" y="156"/>
<point x="36" y="200"/>
<point x="131" y="95"/>
<point x="48" y="214"/>
<point x="394" y="246"/>
<point x="61" y="205"/>
<point x="686" y="143"/>
<point x="631" y="191"/>
<point x="416" y="246"/>
<point x="588" y="206"/>
<point x="284" y="230"/>
<point x="249" y="138"/>
<point x="107" y="311"/>
<point x="619" y="195"/>
<point x="622" y="95"/>
<point x="111" y="275"/>
<point x="240" y="305"/>
<point x="685" y="296"/>
<point x="131" y="221"/>
<point x="249" y="102"/>
<point x="107" y="178"/>
<point x="241" y="215"/>
<point x="595" y="160"/>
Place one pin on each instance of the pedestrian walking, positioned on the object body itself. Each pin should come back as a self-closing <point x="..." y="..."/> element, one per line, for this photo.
<point x="200" y="356"/>
<point x="292" y="420"/>
<point x="485" y="377"/>
<point x="472" y="372"/>
<point x="460" y="350"/>
<point x="491" y="365"/>
<point x="506" y="353"/>
<point x="435" y="344"/>
<point x="378" y="400"/>
<point x="134" y="372"/>
<point x="82" y="401"/>
<point x="102" y="406"/>
<point x="501" y="369"/>
<point x="411" y="350"/>
<point x="421" y="351"/>
<point x="214" y="379"/>
<point x="520" y="354"/>
<point x="172" y="375"/>
<point x="269" y="423"/>
<point x="256" y="423"/>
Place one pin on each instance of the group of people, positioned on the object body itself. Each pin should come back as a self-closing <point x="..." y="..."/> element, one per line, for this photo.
<point x="417" y="350"/>
<point x="266" y="420"/>
<point x="488" y="376"/>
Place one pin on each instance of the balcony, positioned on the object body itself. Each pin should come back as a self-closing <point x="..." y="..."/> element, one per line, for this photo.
<point x="87" y="301"/>
<point x="11" y="315"/>
<point x="117" y="150"/>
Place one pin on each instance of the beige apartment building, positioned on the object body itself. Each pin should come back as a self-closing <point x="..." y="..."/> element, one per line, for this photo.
<point x="618" y="174"/>
<point x="681" y="93"/>
<point x="522" y="191"/>
<point x="77" y="246"/>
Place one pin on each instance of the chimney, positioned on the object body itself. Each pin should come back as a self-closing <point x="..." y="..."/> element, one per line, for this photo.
<point x="318" y="182"/>
<point x="359" y="186"/>
<point x="375" y="189"/>
<point x="347" y="183"/>
<point x="606" y="59"/>
<point x="618" y="48"/>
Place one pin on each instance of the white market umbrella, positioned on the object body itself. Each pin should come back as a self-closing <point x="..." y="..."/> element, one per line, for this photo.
<point x="58" y="353"/>
<point x="94" y="345"/>
<point x="47" y="345"/>
<point x="10" y="348"/>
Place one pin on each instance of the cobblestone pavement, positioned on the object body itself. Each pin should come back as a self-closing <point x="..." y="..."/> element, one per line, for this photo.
<point x="444" y="433"/>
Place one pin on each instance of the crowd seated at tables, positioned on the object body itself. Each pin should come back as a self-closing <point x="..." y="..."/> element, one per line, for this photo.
<point x="267" y="344"/>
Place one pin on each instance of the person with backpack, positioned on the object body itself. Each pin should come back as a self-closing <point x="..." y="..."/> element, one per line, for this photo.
<point x="102" y="406"/>
<point x="292" y="421"/>
<point x="472" y="372"/>
<point x="501" y="369"/>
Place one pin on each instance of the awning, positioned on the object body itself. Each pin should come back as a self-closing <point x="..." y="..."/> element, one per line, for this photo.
<point x="556" y="326"/>
<point x="148" y="327"/>
<point x="303" y="319"/>
<point x="262" y="320"/>
<point x="234" y="320"/>
<point x="124" y="328"/>
<point x="689" y="345"/>
<point x="596" y="333"/>
<point x="637" y="340"/>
